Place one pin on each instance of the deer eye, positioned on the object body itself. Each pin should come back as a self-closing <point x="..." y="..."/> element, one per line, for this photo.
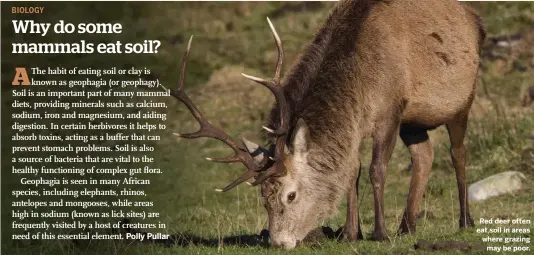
<point x="291" y="197"/>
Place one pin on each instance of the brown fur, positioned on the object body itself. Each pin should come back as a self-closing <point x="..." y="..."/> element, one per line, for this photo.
<point x="377" y="68"/>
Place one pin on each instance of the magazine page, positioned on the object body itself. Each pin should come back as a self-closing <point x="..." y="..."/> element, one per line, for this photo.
<point x="241" y="127"/>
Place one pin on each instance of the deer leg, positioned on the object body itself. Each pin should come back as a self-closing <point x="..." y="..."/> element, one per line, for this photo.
<point x="352" y="230"/>
<point x="456" y="130"/>
<point x="422" y="155"/>
<point x="383" y="144"/>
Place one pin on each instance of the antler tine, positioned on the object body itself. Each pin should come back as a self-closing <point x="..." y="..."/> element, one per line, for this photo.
<point x="207" y="130"/>
<point x="224" y="160"/>
<point x="264" y="175"/>
<point x="245" y="176"/>
<point x="274" y="86"/>
<point x="184" y="64"/>
<point x="278" y="72"/>
<point x="268" y="130"/>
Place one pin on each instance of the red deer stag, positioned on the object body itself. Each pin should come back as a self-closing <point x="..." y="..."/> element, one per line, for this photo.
<point x="375" y="68"/>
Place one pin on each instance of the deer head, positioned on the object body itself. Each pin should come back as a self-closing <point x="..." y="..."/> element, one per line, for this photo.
<point x="287" y="187"/>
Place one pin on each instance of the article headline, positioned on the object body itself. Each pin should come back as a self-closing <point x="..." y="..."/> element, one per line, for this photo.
<point x="82" y="46"/>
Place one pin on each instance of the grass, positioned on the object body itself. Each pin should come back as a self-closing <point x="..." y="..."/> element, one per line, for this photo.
<point x="233" y="37"/>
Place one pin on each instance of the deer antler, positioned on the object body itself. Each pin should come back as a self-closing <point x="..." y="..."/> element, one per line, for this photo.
<point x="240" y="154"/>
<point x="208" y="130"/>
<point x="275" y="87"/>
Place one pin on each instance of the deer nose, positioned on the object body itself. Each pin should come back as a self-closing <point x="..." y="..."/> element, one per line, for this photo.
<point x="283" y="243"/>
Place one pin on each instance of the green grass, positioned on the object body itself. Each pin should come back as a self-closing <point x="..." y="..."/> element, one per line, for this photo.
<point x="233" y="37"/>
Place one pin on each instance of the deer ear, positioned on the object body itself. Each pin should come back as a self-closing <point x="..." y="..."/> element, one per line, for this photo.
<point x="300" y="137"/>
<point x="257" y="152"/>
